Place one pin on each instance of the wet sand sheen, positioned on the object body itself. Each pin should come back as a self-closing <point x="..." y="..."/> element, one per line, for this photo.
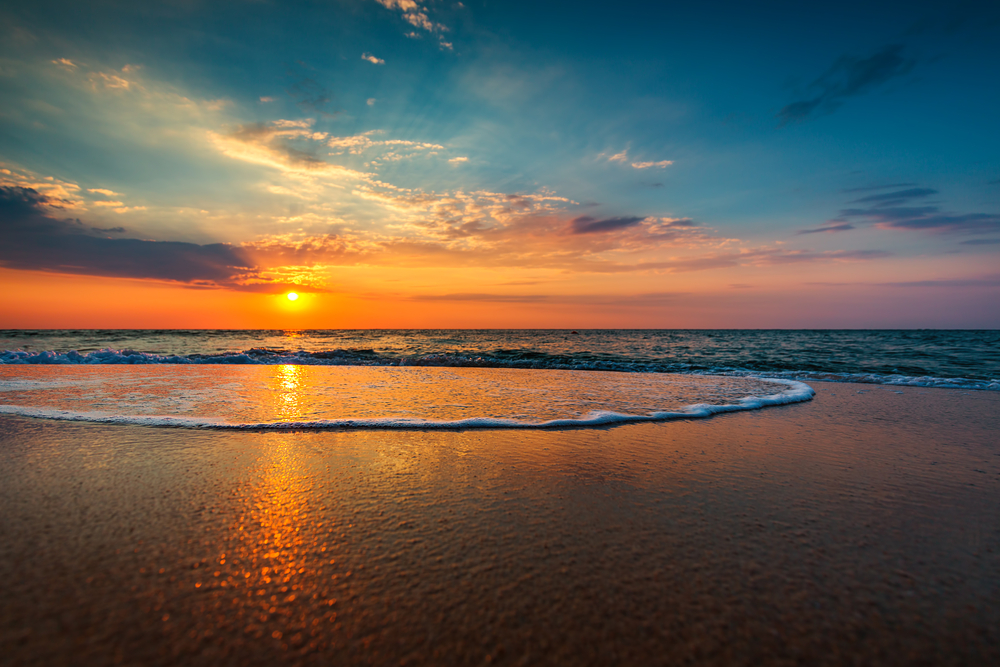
<point x="863" y="526"/>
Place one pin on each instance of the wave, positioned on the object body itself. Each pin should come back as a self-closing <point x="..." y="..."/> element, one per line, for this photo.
<point x="522" y="359"/>
<point x="795" y="392"/>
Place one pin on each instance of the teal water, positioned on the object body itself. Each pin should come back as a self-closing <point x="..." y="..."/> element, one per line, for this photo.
<point x="967" y="359"/>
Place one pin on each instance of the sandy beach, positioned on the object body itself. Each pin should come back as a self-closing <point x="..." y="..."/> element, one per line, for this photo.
<point x="862" y="527"/>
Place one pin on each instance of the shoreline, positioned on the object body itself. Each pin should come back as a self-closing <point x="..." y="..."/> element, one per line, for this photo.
<point x="861" y="526"/>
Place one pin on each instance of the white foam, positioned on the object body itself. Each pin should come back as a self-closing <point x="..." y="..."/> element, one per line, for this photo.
<point x="875" y="378"/>
<point x="795" y="392"/>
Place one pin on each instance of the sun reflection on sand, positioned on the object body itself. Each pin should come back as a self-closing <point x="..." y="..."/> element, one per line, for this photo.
<point x="281" y="557"/>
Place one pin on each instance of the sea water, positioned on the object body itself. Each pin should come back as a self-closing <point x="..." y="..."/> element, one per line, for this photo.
<point x="460" y="378"/>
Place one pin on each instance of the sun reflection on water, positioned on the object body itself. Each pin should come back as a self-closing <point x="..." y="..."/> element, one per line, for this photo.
<point x="289" y="387"/>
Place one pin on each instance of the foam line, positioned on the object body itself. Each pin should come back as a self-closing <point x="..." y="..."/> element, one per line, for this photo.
<point x="794" y="392"/>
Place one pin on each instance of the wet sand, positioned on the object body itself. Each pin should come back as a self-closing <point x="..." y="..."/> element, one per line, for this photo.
<point x="862" y="527"/>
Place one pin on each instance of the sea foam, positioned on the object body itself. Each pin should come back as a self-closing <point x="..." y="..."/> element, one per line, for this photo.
<point x="302" y="398"/>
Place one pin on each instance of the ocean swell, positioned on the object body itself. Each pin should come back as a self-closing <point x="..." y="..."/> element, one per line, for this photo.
<point x="510" y="359"/>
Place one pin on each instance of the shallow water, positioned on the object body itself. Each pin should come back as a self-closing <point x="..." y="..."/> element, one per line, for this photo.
<point x="293" y="396"/>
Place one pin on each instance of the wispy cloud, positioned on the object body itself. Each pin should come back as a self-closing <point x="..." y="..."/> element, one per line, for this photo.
<point x="647" y="165"/>
<point x="946" y="283"/>
<point x="894" y="198"/>
<point x="623" y="158"/>
<point x="869" y="188"/>
<point x="273" y="144"/>
<point x="828" y="229"/>
<point x="309" y="94"/>
<point x="849" y="76"/>
<point x="906" y="210"/>
<point x="372" y="59"/>
<point x="588" y="225"/>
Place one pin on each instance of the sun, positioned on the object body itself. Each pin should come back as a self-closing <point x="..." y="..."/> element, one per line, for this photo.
<point x="292" y="296"/>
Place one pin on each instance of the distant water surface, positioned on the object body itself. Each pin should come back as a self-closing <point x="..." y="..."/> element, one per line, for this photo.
<point x="965" y="359"/>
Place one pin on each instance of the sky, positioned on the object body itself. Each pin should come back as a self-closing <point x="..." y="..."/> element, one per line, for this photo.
<point x="487" y="164"/>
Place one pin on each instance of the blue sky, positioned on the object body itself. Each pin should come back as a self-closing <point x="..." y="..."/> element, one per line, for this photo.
<point x="564" y="153"/>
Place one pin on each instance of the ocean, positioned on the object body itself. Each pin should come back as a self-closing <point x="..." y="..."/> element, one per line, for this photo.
<point x="517" y="497"/>
<point x="460" y="378"/>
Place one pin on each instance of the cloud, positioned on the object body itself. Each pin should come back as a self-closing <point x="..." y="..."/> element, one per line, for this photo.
<point x="869" y="188"/>
<point x="33" y="240"/>
<point x="385" y="150"/>
<point x="981" y="242"/>
<point x="310" y="95"/>
<point x="417" y="16"/>
<point x="925" y="218"/>
<point x="458" y="160"/>
<point x="265" y="100"/>
<point x="273" y="145"/>
<point x="588" y="225"/>
<point x="65" y="62"/>
<point x="371" y="101"/>
<point x="646" y="165"/>
<point x="848" y="77"/>
<point x="828" y="229"/>
<point x="904" y="209"/>
<point x="608" y="300"/>
<point x="959" y="283"/>
<point x="105" y="192"/>
<point x="372" y="59"/>
<point x="623" y="158"/>
<point x="893" y="198"/>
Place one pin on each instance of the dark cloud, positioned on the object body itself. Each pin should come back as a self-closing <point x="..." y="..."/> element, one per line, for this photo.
<point x="927" y="218"/>
<point x="890" y="210"/>
<point x="900" y="196"/>
<point x="981" y="242"/>
<point x="109" y="230"/>
<point x="309" y="94"/>
<point x="34" y="241"/>
<point x="842" y="227"/>
<point x="847" y="77"/>
<point x="775" y="257"/>
<point x="588" y="225"/>
<point x="879" y="187"/>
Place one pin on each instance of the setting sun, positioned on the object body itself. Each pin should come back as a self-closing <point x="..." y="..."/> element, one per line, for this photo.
<point x="292" y="296"/>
